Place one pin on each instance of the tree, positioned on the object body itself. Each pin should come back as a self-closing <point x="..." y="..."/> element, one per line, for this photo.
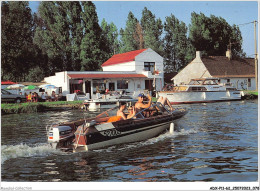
<point x="74" y="10"/>
<point x="53" y="35"/>
<point x="177" y="47"/>
<point x="138" y="36"/>
<point x="152" y="30"/>
<point x="110" y="33"/>
<point x="213" y="35"/>
<point x="69" y="34"/>
<point x="129" y="35"/>
<point x="16" y="40"/>
<point x="93" y="46"/>
<point x="35" y="74"/>
<point x="236" y="41"/>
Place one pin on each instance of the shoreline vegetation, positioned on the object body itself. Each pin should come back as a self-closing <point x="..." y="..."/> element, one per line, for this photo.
<point x="11" y="108"/>
<point x="250" y="95"/>
<point x="14" y="108"/>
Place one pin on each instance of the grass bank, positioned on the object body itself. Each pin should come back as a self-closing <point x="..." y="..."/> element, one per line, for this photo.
<point x="251" y="92"/>
<point x="38" y="107"/>
<point x="250" y="95"/>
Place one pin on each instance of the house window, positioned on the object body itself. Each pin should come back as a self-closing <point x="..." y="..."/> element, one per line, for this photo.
<point x="122" y="84"/>
<point x="99" y="86"/>
<point x="149" y="66"/>
<point x="249" y="82"/>
<point x="228" y="80"/>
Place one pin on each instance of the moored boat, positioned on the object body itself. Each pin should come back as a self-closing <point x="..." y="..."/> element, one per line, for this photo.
<point x="104" y="130"/>
<point x="94" y="104"/>
<point x="201" y="90"/>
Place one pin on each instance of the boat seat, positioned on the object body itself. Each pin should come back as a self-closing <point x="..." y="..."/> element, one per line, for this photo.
<point x="114" y="119"/>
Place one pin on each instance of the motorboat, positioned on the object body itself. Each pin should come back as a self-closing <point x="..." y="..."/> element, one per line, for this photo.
<point x="101" y="131"/>
<point x="201" y="90"/>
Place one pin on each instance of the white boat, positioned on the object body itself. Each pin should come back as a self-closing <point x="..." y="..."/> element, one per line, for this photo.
<point x="101" y="131"/>
<point x="106" y="101"/>
<point x="201" y="90"/>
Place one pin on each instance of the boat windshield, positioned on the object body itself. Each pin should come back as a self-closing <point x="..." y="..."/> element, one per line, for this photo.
<point x="154" y="106"/>
<point x="205" y="81"/>
<point x="108" y="113"/>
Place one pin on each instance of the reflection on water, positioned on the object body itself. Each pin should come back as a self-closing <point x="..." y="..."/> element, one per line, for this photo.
<point x="213" y="142"/>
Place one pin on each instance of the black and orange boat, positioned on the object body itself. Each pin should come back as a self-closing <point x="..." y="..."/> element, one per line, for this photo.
<point x="99" y="132"/>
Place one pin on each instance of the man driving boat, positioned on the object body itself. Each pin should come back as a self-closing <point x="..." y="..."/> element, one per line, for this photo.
<point x="140" y="105"/>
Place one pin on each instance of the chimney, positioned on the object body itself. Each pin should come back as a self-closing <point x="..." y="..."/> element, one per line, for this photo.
<point x="228" y="54"/>
<point x="198" y="54"/>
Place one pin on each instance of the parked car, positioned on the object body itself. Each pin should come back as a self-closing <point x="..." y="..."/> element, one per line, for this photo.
<point x="6" y="96"/>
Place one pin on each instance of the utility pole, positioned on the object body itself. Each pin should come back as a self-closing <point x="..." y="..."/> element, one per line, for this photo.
<point x="256" y="68"/>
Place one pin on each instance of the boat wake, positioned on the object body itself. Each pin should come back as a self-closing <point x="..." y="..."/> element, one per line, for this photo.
<point x="24" y="150"/>
<point x="151" y="141"/>
<point x="168" y="135"/>
<point x="43" y="149"/>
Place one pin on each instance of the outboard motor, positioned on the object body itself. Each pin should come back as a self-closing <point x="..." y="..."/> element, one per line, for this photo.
<point x="60" y="136"/>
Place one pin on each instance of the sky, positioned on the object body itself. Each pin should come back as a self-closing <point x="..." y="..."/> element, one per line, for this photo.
<point x="234" y="12"/>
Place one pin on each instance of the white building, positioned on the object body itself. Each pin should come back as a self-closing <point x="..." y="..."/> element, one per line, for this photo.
<point x="239" y="72"/>
<point x="133" y="71"/>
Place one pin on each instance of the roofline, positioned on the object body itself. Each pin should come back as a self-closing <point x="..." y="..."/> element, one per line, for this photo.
<point x="101" y="72"/>
<point x="130" y="60"/>
<point x="235" y="76"/>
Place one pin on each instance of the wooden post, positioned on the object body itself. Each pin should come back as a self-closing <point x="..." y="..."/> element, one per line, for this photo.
<point x="256" y="66"/>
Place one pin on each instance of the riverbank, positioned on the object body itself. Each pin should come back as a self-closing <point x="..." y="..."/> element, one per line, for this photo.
<point x="66" y="105"/>
<point x="250" y="95"/>
<point x="39" y="107"/>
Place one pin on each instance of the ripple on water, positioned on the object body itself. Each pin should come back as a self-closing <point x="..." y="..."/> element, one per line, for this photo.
<point x="213" y="142"/>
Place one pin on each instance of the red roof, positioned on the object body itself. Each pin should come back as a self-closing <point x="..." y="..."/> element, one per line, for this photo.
<point x="121" y="58"/>
<point x="7" y="83"/>
<point x="106" y="76"/>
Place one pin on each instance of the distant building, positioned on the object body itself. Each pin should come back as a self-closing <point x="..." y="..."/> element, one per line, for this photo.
<point x="133" y="71"/>
<point x="239" y="72"/>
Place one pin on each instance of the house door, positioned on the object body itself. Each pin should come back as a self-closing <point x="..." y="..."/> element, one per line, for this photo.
<point x="149" y="85"/>
<point x="111" y="86"/>
<point x="88" y="88"/>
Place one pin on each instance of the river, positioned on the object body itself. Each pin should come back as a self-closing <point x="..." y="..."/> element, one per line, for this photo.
<point x="215" y="142"/>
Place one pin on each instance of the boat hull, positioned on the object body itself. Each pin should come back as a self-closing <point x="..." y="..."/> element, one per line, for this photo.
<point x="200" y="97"/>
<point x="146" y="133"/>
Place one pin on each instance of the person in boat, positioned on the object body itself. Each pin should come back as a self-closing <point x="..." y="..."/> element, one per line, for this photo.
<point x="121" y="113"/>
<point x="139" y="105"/>
<point x="165" y="101"/>
<point x="132" y="112"/>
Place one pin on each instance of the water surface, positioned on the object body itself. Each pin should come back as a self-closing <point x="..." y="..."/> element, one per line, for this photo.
<point x="213" y="142"/>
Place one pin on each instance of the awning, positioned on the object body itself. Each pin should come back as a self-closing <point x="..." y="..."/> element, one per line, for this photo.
<point x="7" y="82"/>
<point x="96" y="76"/>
